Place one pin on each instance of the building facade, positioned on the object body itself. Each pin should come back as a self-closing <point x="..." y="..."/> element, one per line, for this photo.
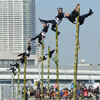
<point x="17" y="26"/>
<point x="29" y="25"/>
<point x="11" y="25"/>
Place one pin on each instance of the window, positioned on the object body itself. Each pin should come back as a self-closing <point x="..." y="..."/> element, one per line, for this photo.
<point x="5" y="62"/>
<point x="1" y="63"/>
<point x="31" y="62"/>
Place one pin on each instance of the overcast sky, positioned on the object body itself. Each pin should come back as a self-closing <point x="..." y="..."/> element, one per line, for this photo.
<point x="89" y="32"/>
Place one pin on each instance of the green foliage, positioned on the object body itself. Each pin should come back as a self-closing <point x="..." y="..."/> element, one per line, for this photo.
<point x="99" y="43"/>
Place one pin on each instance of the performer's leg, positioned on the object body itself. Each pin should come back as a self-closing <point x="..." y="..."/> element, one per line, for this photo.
<point x="82" y="17"/>
<point x="47" y="21"/>
<point x="21" y="54"/>
<point x="53" y="28"/>
<point x="35" y="37"/>
<point x="40" y="39"/>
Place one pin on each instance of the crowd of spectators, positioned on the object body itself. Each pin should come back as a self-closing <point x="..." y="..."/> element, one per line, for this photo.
<point x="82" y="92"/>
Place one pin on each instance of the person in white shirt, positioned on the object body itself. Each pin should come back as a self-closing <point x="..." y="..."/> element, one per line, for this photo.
<point x="42" y="34"/>
<point x="56" y="21"/>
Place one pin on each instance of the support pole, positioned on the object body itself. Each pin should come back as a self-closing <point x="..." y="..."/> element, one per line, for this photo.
<point x="42" y="69"/>
<point x="25" y="78"/>
<point x="76" y="56"/>
<point x="48" y="70"/>
<point x="13" y="86"/>
<point x="57" y="66"/>
<point x="39" y="64"/>
<point x="18" y="83"/>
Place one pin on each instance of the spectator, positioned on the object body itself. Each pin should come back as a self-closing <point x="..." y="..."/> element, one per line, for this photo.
<point x="56" y="87"/>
